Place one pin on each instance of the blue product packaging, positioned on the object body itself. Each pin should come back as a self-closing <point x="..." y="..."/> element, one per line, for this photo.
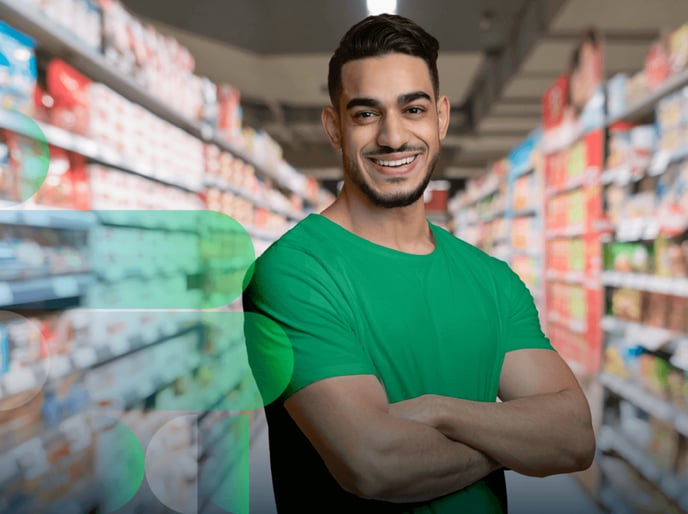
<point x="17" y="70"/>
<point x="4" y="350"/>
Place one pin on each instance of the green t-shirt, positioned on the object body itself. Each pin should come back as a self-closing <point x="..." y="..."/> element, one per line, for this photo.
<point x="438" y="323"/>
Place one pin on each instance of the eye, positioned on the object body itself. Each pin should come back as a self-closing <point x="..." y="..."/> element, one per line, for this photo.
<point x="415" y="110"/>
<point x="364" y="114"/>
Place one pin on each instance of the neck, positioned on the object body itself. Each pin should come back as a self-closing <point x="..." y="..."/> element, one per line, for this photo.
<point x="401" y="228"/>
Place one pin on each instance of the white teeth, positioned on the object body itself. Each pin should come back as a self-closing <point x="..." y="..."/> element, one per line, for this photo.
<point x="400" y="162"/>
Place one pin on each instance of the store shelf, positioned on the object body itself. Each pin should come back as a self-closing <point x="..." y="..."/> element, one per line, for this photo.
<point x="91" y="149"/>
<point x="262" y="234"/>
<point x="44" y="289"/>
<point x="643" y="282"/>
<point x="523" y="169"/>
<point x="524" y="213"/>
<point x="612" y="440"/>
<point x="650" y="403"/>
<point x="638" y="229"/>
<point x="569" y="277"/>
<point x="575" y="326"/>
<point x="571" y="231"/>
<point x="46" y="217"/>
<point x="58" y="41"/>
<point x="645" y="107"/>
<point x="47" y="372"/>
<point x="257" y="202"/>
<point x="651" y="338"/>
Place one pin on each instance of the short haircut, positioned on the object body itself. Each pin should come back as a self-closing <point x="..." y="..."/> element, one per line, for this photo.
<point x="380" y="35"/>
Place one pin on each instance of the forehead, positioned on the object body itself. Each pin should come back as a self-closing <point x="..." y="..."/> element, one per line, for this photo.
<point x="385" y="77"/>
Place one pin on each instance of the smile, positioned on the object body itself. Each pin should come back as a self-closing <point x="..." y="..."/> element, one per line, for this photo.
<point x="395" y="164"/>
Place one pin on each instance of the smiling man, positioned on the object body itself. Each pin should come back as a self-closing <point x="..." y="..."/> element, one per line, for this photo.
<point x="403" y="336"/>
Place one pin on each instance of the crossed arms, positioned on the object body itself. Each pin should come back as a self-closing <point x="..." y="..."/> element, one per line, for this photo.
<point x="433" y="445"/>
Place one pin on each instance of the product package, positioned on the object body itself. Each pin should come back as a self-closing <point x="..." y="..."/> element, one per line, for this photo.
<point x="17" y="70"/>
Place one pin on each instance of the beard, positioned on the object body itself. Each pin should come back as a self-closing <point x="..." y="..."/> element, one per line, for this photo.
<point x="390" y="200"/>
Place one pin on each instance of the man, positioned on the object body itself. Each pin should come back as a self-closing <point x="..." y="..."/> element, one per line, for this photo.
<point x="403" y="336"/>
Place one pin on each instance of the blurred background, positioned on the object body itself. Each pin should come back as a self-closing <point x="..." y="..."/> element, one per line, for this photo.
<point x="127" y="126"/>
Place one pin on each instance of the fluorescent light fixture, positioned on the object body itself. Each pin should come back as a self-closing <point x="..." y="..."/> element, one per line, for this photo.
<point x="381" y="6"/>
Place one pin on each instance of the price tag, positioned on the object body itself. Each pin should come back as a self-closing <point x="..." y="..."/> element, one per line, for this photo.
<point x="85" y="357"/>
<point x="19" y="379"/>
<point x="110" y="156"/>
<point x="65" y="287"/>
<point x="59" y="366"/>
<point x="75" y="430"/>
<point x="659" y="163"/>
<point x="9" y="216"/>
<point x="58" y="137"/>
<point x="6" y="295"/>
<point x="623" y="175"/>
<point x="118" y="344"/>
<point x="32" y="458"/>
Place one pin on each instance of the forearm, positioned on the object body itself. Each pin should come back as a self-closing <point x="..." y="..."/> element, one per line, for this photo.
<point x="538" y="435"/>
<point x="415" y="462"/>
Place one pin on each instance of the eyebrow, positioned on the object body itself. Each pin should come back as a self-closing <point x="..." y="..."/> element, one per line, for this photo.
<point x="401" y="100"/>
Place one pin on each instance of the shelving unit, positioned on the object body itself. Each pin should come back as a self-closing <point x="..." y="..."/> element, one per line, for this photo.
<point x="73" y="350"/>
<point x="644" y="426"/>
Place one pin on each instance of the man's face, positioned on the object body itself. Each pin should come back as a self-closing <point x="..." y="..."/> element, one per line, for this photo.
<point x="389" y="126"/>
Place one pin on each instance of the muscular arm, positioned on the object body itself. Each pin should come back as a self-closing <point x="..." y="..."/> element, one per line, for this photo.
<point x="378" y="456"/>
<point x="541" y="427"/>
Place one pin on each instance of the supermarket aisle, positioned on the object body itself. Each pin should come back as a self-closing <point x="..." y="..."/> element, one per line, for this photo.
<point x="527" y="495"/>
<point x="261" y="500"/>
<point x="557" y="493"/>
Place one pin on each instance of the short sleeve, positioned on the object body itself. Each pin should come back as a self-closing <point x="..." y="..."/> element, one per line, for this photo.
<point x="292" y="289"/>
<point x="522" y="327"/>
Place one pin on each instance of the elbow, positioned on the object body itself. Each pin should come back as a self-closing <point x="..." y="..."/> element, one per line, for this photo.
<point x="585" y="451"/>
<point x="364" y="476"/>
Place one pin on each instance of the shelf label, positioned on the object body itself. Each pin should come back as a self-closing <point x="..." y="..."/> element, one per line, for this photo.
<point x="65" y="287"/>
<point x="86" y="147"/>
<point x="58" y="137"/>
<point x="118" y="344"/>
<point x="659" y="163"/>
<point x="9" y="216"/>
<point x="76" y="433"/>
<point x="6" y="295"/>
<point x="59" y="366"/>
<point x="85" y="357"/>
<point x="19" y="379"/>
<point x="32" y="458"/>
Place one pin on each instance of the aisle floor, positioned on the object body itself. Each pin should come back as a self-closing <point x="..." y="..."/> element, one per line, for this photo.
<point x="560" y="494"/>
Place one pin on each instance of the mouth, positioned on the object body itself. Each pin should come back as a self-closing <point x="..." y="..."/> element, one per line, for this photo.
<point x="391" y="166"/>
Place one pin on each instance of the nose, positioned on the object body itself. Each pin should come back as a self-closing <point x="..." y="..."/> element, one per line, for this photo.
<point x="393" y="132"/>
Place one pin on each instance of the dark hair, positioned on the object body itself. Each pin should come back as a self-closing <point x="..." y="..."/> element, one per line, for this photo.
<point x="379" y="35"/>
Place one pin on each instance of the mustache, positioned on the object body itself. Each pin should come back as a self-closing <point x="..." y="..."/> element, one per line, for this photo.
<point x="384" y="150"/>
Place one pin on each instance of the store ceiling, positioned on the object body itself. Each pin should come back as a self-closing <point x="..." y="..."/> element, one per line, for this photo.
<point x="497" y="58"/>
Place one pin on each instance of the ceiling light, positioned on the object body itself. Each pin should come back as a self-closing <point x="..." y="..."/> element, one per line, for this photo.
<point x="381" y="6"/>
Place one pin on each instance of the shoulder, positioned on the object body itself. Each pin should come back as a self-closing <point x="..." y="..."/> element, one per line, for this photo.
<point x="467" y="251"/>
<point x="303" y="244"/>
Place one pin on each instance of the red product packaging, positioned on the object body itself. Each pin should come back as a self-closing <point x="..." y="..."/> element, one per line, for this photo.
<point x="554" y="102"/>
<point x="69" y="90"/>
<point x="81" y="190"/>
<point x="657" y="64"/>
<point x="229" y="117"/>
<point x="56" y="190"/>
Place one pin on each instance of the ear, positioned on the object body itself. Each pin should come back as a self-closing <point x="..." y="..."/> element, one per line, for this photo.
<point x="443" y="115"/>
<point x="330" y="122"/>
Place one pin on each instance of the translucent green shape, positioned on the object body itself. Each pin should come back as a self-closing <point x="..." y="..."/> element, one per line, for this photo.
<point x="168" y="260"/>
<point x="226" y="473"/>
<point x="120" y="468"/>
<point x="191" y="360"/>
<point x="31" y="154"/>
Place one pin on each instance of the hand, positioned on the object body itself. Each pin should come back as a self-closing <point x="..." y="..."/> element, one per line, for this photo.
<point x="422" y="409"/>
